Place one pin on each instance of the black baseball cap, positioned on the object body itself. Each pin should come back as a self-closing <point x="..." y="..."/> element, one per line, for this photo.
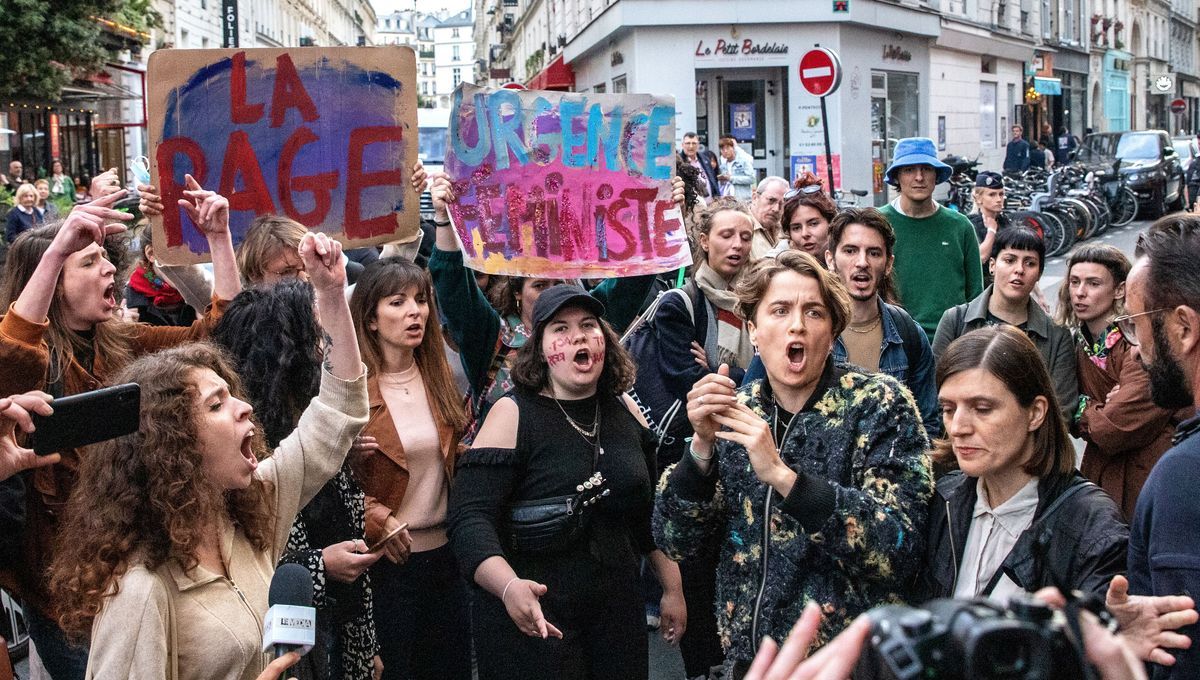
<point x="555" y="298"/>
<point x="989" y="180"/>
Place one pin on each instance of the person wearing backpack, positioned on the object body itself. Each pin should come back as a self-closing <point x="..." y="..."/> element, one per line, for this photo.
<point x="1016" y="516"/>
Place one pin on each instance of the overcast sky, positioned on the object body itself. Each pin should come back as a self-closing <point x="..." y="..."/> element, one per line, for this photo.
<point x="386" y="6"/>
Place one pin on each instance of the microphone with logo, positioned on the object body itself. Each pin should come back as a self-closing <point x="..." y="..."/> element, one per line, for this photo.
<point x="291" y="622"/>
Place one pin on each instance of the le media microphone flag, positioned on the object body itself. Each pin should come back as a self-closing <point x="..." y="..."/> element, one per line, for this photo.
<point x="291" y="622"/>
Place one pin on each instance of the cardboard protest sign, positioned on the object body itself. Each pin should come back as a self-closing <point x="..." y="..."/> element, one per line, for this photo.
<point x="564" y="185"/>
<point x="325" y="136"/>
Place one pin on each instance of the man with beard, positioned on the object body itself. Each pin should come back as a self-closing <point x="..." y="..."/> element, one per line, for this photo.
<point x="937" y="254"/>
<point x="880" y="337"/>
<point x="767" y="207"/>
<point x="1163" y="319"/>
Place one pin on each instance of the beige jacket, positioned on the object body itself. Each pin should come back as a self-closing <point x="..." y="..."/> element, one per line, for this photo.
<point x="218" y="620"/>
<point x="762" y="242"/>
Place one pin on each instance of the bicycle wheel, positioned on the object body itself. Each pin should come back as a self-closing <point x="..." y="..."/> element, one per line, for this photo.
<point x="1124" y="207"/>
<point x="1104" y="214"/>
<point x="1047" y="227"/>
<point x="1069" y="228"/>
<point x="1083" y="218"/>
<point x="1094" y="215"/>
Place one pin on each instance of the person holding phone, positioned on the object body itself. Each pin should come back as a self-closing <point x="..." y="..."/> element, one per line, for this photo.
<point x="409" y="448"/>
<point x="275" y="343"/>
<point x="173" y="533"/>
<point x="59" y="334"/>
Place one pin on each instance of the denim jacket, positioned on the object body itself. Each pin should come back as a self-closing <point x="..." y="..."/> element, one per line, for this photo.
<point x="893" y="360"/>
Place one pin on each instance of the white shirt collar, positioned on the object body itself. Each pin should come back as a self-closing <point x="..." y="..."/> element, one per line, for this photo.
<point x="1013" y="515"/>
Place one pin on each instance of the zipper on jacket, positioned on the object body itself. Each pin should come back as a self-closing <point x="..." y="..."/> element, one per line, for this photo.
<point x="766" y="534"/>
<point x="953" y="550"/>
<point x="249" y="609"/>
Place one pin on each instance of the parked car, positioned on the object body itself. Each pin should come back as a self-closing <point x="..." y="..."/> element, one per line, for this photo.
<point x="1146" y="160"/>
<point x="1187" y="150"/>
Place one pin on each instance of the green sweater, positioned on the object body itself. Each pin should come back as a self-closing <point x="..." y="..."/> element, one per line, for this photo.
<point x="937" y="263"/>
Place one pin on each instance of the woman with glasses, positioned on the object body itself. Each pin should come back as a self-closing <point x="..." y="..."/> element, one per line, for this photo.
<point x="1125" y="432"/>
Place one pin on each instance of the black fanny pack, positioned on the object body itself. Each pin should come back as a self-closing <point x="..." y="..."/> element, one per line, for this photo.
<point x="555" y="524"/>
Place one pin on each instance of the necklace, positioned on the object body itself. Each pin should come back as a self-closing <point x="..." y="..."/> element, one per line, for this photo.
<point x="590" y="431"/>
<point x="873" y="325"/>
<point x="401" y="379"/>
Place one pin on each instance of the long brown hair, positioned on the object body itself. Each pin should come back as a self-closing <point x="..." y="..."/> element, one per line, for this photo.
<point x="1011" y="356"/>
<point x="111" y="337"/>
<point x="144" y="498"/>
<point x="390" y="276"/>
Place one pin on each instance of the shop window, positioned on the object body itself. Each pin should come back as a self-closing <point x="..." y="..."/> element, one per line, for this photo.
<point x="987" y="115"/>
<point x="600" y="88"/>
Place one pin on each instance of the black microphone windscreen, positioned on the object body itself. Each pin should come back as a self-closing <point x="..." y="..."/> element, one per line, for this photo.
<point x="291" y="584"/>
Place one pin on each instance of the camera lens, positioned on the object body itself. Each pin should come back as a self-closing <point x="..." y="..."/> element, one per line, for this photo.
<point x="1003" y="655"/>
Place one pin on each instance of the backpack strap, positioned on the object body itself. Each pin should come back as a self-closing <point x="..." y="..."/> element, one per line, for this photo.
<point x="695" y="297"/>
<point x="648" y="315"/>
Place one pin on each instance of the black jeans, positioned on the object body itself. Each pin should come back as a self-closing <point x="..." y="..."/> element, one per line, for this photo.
<point x="62" y="659"/>
<point x="421" y="617"/>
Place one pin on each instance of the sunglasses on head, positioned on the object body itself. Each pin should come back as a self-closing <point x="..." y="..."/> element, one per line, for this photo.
<point x="808" y="190"/>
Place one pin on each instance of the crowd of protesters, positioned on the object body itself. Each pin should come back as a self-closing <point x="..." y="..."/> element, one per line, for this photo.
<point x="830" y="410"/>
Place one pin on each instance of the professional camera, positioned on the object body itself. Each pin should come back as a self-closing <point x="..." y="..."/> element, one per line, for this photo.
<point x="975" y="639"/>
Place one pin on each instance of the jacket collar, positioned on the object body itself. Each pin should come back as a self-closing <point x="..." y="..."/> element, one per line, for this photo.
<point x="390" y="442"/>
<point x="198" y="576"/>
<point x="1037" y="322"/>
<point x="758" y="394"/>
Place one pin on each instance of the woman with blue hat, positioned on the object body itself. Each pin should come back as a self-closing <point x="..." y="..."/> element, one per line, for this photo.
<point x="937" y="254"/>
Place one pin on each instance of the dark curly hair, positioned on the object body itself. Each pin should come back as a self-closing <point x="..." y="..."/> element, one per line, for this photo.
<point x="272" y="335"/>
<point x="531" y="371"/>
<point x="144" y="498"/>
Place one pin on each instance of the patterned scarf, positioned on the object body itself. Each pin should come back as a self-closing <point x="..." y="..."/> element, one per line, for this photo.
<point x="733" y="340"/>
<point x="160" y="292"/>
<point x="1098" y="350"/>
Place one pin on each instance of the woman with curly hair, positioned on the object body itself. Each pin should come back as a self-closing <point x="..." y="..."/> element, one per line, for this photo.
<point x="274" y="341"/>
<point x="417" y="420"/>
<point x="173" y="533"/>
<point x="61" y="335"/>
<point x="566" y="603"/>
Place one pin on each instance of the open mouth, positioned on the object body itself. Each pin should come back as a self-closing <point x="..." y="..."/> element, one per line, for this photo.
<point x="582" y="360"/>
<point x="414" y="328"/>
<point x="110" y="295"/>
<point x="796" y="354"/>
<point x="734" y="259"/>
<point x="248" y="450"/>
<point x="860" y="277"/>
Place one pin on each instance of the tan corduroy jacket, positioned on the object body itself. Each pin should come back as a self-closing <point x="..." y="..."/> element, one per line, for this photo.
<point x="219" y="620"/>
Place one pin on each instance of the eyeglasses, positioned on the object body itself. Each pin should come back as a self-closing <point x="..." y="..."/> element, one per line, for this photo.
<point x="808" y="190"/>
<point x="1125" y="323"/>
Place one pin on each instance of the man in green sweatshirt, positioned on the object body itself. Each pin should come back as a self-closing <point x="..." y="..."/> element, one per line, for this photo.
<point x="937" y="254"/>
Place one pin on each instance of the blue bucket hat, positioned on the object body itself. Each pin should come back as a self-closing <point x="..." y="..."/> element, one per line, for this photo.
<point x="917" y="151"/>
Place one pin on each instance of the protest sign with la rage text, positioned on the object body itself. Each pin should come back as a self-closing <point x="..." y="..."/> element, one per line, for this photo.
<point x="324" y="136"/>
<point x="564" y="185"/>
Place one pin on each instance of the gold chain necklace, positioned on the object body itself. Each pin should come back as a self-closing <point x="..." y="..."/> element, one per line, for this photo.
<point x="868" y="329"/>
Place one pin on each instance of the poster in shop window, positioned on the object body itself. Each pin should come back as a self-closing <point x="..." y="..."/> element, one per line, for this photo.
<point x="564" y="184"/>
<point x="324" y="136"/>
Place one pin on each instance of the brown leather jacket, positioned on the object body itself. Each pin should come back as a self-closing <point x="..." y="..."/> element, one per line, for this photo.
<point x="1126" y="432"/>
<point x="384" y="474"/>
<point x="24" y="366"/>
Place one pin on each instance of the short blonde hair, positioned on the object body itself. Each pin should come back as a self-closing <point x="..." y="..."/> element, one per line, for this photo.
<point x="754" y="284"/>
<point x="267" y="237"/>
<point x="25" y="189"/>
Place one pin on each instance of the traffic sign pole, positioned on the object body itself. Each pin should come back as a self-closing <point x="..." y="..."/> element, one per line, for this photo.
<point x="821" y="74"/>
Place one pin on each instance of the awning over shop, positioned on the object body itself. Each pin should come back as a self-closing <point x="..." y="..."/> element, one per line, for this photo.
<point x="1047" y="85"/>
<point x="556" y="76"/>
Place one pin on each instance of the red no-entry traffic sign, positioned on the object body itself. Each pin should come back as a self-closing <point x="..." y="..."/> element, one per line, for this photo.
<point x="820" y="71"/>
<point x="1178" y="106"/>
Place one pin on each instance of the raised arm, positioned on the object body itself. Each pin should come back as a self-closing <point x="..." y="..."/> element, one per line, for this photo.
<point x="86" y="224"/>
<point x="327" y="270"/>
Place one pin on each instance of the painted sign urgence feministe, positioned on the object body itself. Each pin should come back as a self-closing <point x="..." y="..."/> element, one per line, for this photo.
<point x="324" y="136"/>
<point x="564" y="185"/>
